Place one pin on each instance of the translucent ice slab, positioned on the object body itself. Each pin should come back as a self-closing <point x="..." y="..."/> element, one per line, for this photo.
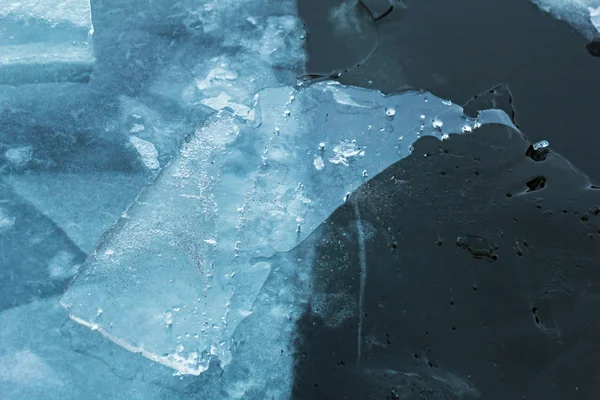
<point x="183" y="267"/>
<point x="45" y="41"/>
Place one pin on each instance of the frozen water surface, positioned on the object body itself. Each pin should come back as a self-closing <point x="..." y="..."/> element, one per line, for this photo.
<point x="172" y="182"/>
<point x="184" y="266"/>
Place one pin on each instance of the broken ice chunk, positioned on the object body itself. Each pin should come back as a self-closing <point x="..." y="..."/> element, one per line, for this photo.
<point x="147" y="151"/>
<point x="248" y="190"/>
<point x="45" y="41"/>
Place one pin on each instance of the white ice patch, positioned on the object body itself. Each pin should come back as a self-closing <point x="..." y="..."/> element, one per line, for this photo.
<point x="223" y="101"/>
<point x="147" y="152"/>
<point x="19" y="156"/>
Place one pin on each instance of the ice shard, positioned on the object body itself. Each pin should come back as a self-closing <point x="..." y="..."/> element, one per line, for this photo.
<point x="45" y="41"/>
<point x="183" y="267"/>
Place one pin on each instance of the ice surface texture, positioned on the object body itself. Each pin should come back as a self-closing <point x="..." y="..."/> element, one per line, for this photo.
<point x="187" y="275"/>
<point x="584" y="15"/>
<point x="184" y="266"/>
<point x="45" y="41"/>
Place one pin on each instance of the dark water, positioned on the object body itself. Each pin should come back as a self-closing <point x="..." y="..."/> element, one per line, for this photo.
<point x="482" y="277"/>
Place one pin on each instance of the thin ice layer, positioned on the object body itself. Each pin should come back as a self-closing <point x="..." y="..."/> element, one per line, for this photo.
<point x="180" y="271"/>
<point x="45" y="41"/>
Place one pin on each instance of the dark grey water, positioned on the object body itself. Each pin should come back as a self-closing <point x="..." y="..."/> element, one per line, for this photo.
<point x="481" y="271"/>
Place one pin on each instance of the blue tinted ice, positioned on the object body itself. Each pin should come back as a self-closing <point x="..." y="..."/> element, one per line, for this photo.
<point x="188" y="160"/>
<point x="45" y="41"/>
<point x="584" y="15"/>
<point x="179" y="273"/>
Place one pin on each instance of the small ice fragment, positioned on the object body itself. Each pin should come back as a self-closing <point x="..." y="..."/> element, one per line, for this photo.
<point x="19" y="156"/>
<point x="210" y="241"/>
<point x="542" y="144"/>
<point x="223" y="101"/>
<point x="390" y="112"/>
<point x="437" y="124"/>
<point x="137" y="128"/>
<point x="321" y="146"/>
<point x="179" y="348"/>
<point x="344" y="151"/>
<point x="318" y="163"/>
<point x="287" y="113"/>
<point x="445" y="136"/>
<point x="147" y="151"/>
<point x="298" y="229"/>
<point x="447" y="102"/>
<point x="347" y="197"/>
<point x="364" y="173"/>
<point x="466" y="128"/>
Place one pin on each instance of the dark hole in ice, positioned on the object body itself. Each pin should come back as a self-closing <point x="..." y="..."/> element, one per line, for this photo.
<point x="477" y="246"/>
<point x="536" y="155"/>
<point x="537" y="183"/>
